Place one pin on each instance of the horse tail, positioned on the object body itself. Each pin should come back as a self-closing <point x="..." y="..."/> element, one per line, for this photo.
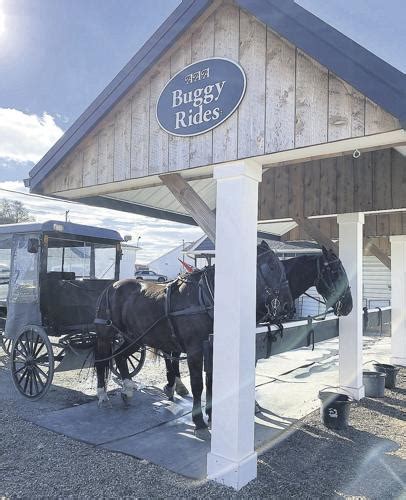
<point x="103" y="352"/>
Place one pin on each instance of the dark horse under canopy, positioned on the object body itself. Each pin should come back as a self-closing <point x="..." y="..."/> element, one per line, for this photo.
<point x="178" y="317"/>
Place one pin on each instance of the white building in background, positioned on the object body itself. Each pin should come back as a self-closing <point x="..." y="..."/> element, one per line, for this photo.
<point x="128" y="260"/>
<point x="169" y="264"/>
<point x="376" y="283"/>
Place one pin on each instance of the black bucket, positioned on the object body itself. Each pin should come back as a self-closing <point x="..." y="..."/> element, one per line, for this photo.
<point x="334" y="409"/>
<point x="374" y="383"/>
<point x="391" y="371"/>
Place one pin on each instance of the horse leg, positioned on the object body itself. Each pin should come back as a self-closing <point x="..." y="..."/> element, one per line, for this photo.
<point x="169" y="389"/>
<point x="209" y="385"/>
<point x="129" y="385"/>
<point x="180" y="387"/>
<point x="103" y="352"/>
<point x="195" y="363"/>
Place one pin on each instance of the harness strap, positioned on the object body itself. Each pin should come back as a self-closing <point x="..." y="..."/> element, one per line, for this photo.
<point x="310" y="333"/>
<point x="272" y="337"/>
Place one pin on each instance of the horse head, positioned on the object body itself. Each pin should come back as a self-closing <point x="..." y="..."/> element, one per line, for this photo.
<point x="332" y="283"/>
<point x="274" y="299"/>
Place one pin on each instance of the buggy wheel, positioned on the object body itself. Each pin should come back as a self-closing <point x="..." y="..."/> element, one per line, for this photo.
<point x="5" y="343"/>
<point x="32" y="362"/>
<point x="134" y="362"/>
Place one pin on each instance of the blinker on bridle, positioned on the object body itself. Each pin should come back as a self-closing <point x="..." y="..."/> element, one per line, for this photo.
<point x="332" y="289"/>
<point x="272" y="306"/>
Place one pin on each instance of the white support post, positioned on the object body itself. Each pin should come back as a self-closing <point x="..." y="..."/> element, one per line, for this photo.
<point x="232" y="459"/>
<point x="398" y="302"/>
<point x="350" y="339"/>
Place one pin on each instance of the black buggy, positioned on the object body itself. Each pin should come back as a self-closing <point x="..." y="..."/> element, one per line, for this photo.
<point x="51" y="275"/>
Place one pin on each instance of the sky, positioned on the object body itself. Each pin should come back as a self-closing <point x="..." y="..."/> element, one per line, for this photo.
<point x="56" y="56"/>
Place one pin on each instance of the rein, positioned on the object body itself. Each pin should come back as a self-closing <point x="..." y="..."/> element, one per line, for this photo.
<point x="203" y="308"/>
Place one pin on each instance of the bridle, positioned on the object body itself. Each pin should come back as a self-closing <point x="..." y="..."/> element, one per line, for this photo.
<point x="328" y="284"/>
<point x="272" y="300"/>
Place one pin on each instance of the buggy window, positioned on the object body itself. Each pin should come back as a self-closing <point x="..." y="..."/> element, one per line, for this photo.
<point x="5" y="264"/>
<point x="5" y="256"/>
<point x="87" y="260"/>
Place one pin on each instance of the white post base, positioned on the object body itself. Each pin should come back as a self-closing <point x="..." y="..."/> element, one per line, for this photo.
<point x="398" y="302"/>
<point x="230" y="473"/>
<point x="356" y="393"/>
<point x="351" y="326"/>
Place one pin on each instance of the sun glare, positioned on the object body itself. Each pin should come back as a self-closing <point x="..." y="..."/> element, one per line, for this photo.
<point x="2" y="23"/>
<point x="2" y="20"/>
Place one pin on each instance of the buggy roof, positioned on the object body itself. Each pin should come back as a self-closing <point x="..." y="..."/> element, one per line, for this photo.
<point x="59" y="227"/>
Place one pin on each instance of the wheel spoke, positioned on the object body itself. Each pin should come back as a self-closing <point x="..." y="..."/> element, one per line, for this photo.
<point x="37" y="376"/>
<point x="22" y="376"/>
<point x="42" y="345"/>
<point x="131" y="363"/>
<point x="34" y="373"/>
<point x="35" y="346"/>
<point x="26" y="383"/>
<point x="41" y="371"/>
<point x="20" y="343"/>
<point x="29" y="342"/>
<point x="31" y="377"/>
<point x="20" y="353"/>
<point x="18" y="371"/>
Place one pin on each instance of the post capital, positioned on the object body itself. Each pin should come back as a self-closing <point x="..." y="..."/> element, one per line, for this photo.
<point x="401" y="238"/>
<point x="241" y="168"/>
<point x="351" y="218"/>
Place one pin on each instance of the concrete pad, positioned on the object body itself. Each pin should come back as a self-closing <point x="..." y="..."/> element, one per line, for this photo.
<point x="295" y="395"/>
<point x="282" y="363"/>
<point x="161" y="432"/>
<point x="95" y="425"/>
<point x="174" y="446"/>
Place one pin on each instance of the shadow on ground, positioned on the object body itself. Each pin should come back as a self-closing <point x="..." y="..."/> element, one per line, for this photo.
<point x="323" y="463"/>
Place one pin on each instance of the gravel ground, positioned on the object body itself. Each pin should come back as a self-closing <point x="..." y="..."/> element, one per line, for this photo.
<point x="366" y="460"/>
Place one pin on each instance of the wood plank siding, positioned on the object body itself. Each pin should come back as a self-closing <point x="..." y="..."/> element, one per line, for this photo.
<point x="291" y="101"/>
<point x="374" y="181"/>
<point x="377" y="227"/>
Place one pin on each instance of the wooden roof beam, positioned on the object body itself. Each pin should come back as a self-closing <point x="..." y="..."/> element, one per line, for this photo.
<point x="314" y="232"/>
<point x="377" y="252"/>
<point x="192" y="203"/>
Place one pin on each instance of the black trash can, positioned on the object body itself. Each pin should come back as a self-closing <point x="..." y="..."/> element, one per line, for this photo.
<point x="334" y="409"/>
<point x="391" y="371"/>
<point x="374" y="383"/>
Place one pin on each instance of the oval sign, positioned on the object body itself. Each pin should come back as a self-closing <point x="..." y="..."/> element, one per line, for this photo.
<point x="201" y="96"/>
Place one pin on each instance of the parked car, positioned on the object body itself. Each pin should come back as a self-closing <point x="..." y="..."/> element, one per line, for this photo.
<point x="148" y="275"/>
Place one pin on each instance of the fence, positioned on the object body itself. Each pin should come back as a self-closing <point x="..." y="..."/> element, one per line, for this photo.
<point x="305" y="333"/>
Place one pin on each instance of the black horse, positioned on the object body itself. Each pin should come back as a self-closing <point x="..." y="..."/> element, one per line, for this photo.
<point x="177" y="317"/>
<point x="324" y="271"/>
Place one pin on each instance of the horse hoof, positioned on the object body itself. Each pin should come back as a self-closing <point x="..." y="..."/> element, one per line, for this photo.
<point x="124" y="397"/>
<point x="105" y="403"/>
<point x="203" y="434"/>
<point x="103" y="399"/>
<point x="169" y="392"/>
<point x="180" y="388"/>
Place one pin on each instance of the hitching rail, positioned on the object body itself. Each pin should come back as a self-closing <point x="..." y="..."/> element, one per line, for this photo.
<point x="298" y="334"/>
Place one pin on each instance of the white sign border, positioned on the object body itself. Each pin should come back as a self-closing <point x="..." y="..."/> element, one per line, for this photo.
<point x="218" y="123"/>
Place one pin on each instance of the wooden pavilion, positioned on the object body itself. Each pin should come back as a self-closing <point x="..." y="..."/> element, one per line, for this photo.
<point x="309" y="140"/>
